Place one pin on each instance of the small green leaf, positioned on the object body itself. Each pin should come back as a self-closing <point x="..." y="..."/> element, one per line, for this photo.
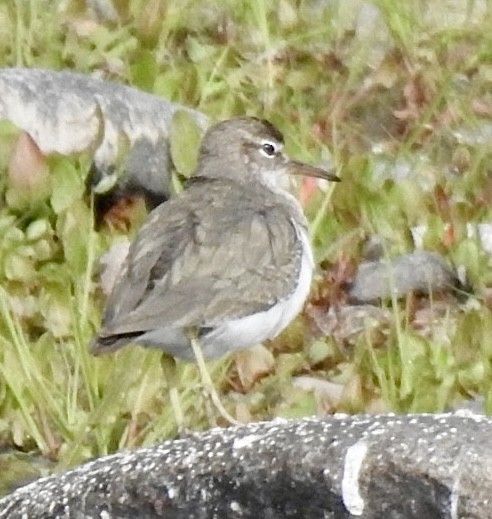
<point x="19" y="268"/>
<point x="67" y="185"/>
<point x="74" y="228"/>
<point x="199" y="52"/>
<point x="44" y="250"/>
<point x="184" y="140"/>
<point x="319" y="351"/>
<point x="37" y="229"/>
<point x="56" y="313"/>
<point x="167" y="84"/>
<point x="12" y="236"/>
<point x="144" y="70"/>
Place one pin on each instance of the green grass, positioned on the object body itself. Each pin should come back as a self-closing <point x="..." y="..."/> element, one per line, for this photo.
<point x="337" y="85"/>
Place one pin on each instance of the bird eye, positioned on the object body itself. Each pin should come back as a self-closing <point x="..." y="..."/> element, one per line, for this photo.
<point x="268" y="149"/>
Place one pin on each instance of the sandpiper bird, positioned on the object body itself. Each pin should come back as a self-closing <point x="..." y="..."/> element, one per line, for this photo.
<point x="225" y="265"/>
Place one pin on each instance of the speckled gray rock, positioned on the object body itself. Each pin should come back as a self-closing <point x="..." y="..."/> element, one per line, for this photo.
<point x="126" y="129"/>
<point x="419" y="271"/>
<point x="408" y="466"/>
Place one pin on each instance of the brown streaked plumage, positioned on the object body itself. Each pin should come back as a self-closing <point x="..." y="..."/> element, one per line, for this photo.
<point x="229" y="258"/>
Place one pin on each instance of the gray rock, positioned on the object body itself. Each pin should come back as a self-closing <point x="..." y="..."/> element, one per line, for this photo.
<point x="126" y="130"/>
<point x="103" y="10"/>
<point x="419" y="271"/>
<point x="408" y="466"/>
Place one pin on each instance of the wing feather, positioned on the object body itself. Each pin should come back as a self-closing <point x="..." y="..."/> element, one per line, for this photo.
<point x="195" y="264"/>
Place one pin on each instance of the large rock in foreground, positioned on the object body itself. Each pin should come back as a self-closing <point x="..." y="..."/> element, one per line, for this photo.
<point x="409" y="466"/>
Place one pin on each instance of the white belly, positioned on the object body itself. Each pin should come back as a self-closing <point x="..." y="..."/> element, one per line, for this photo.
<point x="253" y="329"/>
<point x="244" y="332"/>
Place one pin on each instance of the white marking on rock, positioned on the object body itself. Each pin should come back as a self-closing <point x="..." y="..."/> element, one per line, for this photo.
<point x="351" y="496"/>
<point x="454" y="498"/>
<point x="247" y="441"/>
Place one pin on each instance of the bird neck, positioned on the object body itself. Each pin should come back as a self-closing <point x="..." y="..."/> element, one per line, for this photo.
<point x="267" y="195"/>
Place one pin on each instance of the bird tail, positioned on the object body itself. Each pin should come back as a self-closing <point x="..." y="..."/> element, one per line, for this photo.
<point x="102" y="345"/>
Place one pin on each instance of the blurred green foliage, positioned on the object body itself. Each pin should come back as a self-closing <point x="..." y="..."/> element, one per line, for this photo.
<point x="397" y="97"/>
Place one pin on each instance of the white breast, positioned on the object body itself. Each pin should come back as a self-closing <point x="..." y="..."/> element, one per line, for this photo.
<point x="255" y="328"/>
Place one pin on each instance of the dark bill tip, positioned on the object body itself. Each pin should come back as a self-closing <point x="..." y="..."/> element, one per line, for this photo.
<point x="296" y="167"/>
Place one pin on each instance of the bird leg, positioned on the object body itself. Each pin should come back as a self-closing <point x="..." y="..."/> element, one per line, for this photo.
<point x="207" y="382"/>
<point x="168" y="365"/>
